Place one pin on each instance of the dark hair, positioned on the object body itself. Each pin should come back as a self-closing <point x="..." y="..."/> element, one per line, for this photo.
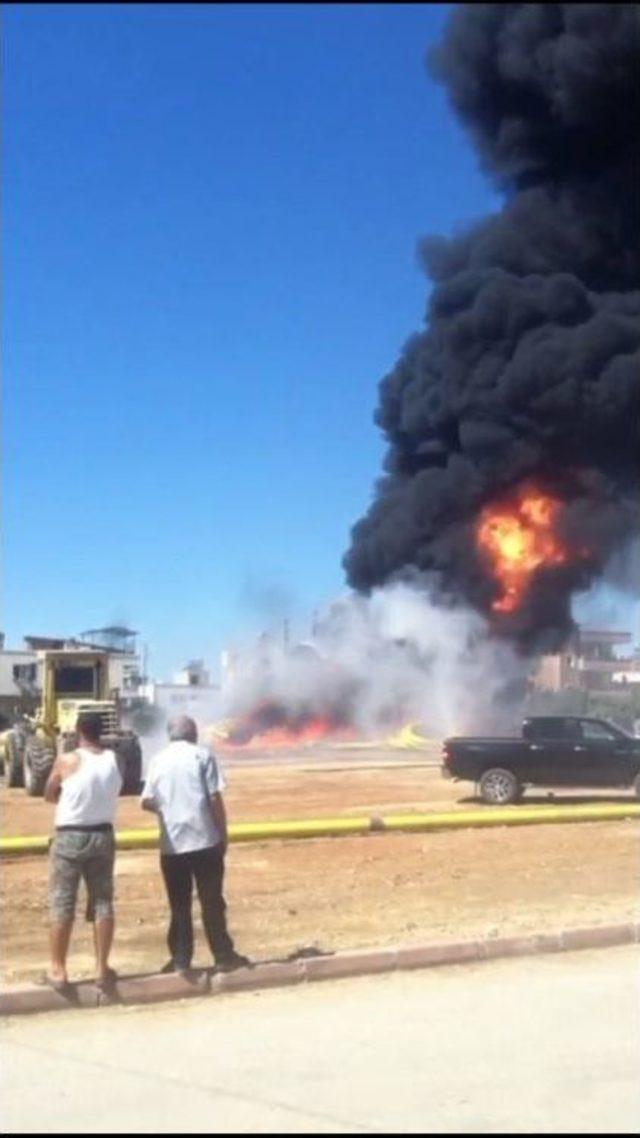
<point x="89" y="725"/>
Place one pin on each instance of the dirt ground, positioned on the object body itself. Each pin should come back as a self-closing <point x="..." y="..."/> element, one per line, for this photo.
<point x="338" y="893"/>
<point x="329" y="788"/>
<point x="270" y="792"/>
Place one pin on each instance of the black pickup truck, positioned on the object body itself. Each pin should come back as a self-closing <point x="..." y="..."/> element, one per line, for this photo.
<point x="558" y="751"/>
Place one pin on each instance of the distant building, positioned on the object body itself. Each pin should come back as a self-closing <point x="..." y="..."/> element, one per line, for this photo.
<point x="20" y="668"/>
<point x="112" y="638"/>
<point x="588" y="663"/>
<point x="194" y="674"/>
<point x="191" y="693"/>
<point x="628" y="677"/>
<point x="125" y="672"/>
<point x="45" y="643"/>
<point x="18" y="675"/>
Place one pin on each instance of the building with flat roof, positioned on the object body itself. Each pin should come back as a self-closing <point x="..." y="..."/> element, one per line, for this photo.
<point x="112" y="638"/>
<point x="20" y="673"/>
<point x="591" y="661"/>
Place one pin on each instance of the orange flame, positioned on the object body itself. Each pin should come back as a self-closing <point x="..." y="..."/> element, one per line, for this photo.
<point x="519" y="539"/>
<point x="311" y="732"/>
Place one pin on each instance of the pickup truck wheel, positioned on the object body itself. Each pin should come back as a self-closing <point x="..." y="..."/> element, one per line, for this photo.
<point x="499" y="787"/>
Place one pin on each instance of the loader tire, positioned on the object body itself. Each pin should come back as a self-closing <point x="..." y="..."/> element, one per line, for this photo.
<point x="38" y="760"/>
<point x="14" y="760"/>
<point x="129" y="756"/>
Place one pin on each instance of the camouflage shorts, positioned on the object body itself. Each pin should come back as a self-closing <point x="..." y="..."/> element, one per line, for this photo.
<point x="76" y="854"/>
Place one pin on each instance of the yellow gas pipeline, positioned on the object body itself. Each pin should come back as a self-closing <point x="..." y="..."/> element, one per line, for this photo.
<point x="510" y="816"/>
<point x="341" y="827"/>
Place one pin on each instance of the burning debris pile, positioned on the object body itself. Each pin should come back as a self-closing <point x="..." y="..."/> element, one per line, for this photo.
<point x="374" y="665"/>
<point x="283" y="695"/>
<point x="512" y="420"/>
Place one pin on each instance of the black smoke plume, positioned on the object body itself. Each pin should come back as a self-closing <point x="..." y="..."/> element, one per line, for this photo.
<point x="527" y="369"/>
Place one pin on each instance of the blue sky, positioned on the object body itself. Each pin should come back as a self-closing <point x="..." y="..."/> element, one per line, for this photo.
<point x="211" y="215"/>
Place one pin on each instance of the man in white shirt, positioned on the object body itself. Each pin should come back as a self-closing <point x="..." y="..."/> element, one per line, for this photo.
<point x="85" y="784"/>
<point x="184" y="788"/>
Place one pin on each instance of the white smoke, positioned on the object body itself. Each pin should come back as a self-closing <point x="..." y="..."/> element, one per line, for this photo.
<point x="378" y="662"/>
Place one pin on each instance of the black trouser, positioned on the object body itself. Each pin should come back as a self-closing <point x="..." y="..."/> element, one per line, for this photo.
<point x="179" y="870"/>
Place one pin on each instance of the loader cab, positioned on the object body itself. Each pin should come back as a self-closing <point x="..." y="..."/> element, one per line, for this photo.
<point x="73" y="681"/>
<point x="76" y="680"/>
<point x="76" y="675"/>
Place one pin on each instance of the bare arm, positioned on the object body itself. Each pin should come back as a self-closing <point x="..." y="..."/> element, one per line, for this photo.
<point x="54" y="783"/>
<point x="220" y="816"/>
<point x="63" y="766"/>
<point x="147" y="801"/>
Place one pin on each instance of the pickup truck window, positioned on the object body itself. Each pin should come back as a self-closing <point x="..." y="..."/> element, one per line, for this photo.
<point x="554" y="729"/>
<point x="597" y="732"/>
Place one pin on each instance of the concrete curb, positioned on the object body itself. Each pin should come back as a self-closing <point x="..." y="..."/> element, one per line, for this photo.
<point x="25" y="998"/>
<point x="340" y="827"/>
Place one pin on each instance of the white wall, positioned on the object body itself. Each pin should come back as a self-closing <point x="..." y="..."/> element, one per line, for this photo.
<point x="7" y="661"/>
<point x="195" y="674"/>
<point x="120" y="667"/>
<point x="201" y="703"/>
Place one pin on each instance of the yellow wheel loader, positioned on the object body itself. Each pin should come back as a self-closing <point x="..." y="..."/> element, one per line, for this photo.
<point x="73" y="680"/>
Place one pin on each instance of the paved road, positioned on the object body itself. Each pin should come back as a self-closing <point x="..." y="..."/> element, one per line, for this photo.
<point x="531" y="1046"/>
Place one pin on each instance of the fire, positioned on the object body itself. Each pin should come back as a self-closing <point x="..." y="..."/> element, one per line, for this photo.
<point x="312" y="732"/>
<point x="269" y="726"/>
<point x="519" y="538"/>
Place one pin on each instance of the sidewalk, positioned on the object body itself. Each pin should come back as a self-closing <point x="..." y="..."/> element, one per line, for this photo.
<point x="155" y="988"/>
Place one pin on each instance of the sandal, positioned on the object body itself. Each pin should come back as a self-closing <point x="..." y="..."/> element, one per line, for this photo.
<point x="62" y="987"/>
<point x="107" y="983"/>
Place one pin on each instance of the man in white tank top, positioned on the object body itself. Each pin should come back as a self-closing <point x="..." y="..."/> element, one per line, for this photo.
<point x="85" y="784"/>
